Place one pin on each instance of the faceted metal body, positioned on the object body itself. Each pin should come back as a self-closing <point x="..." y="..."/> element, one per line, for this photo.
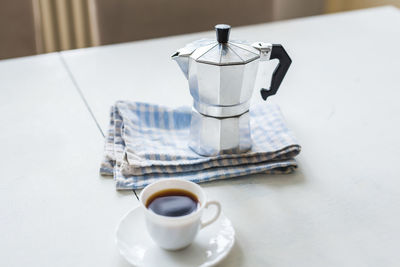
<point x="214" y="136"/>
<point x="221" y="91"/>
<point x="221" y="80"/>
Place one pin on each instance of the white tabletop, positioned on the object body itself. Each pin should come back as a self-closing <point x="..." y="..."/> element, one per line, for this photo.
<point x="340" y="97"/>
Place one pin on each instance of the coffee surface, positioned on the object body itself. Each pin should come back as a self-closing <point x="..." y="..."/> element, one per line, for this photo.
<point x="172" y="202"/>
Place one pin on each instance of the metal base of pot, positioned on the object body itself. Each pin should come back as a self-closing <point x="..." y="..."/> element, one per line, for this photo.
<point x="210" y="136"/>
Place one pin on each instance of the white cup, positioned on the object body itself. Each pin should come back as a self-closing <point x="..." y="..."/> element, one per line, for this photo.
<point x="173" y="233"/>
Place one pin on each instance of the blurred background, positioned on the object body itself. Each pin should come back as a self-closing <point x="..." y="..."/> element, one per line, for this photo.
<point x="29" y="27"/>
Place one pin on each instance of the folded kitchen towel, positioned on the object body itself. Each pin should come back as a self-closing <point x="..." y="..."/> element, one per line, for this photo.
<point x="147" y="142"/>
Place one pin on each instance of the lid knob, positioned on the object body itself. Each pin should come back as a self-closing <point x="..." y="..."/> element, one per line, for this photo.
<point x="222" y="32"/>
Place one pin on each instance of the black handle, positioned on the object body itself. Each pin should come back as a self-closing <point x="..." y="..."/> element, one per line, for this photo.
<point x="222" y="32"/>
<point x="277" y="52"/>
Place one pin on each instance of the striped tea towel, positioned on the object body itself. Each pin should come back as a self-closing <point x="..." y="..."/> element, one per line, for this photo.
<point x="147" y="142"/>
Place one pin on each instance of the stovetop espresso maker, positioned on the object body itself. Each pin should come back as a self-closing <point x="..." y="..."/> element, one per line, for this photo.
<point x="221" y="76"/>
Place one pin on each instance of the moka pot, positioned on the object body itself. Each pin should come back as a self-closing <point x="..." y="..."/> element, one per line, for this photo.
<point x="221" y="76"/>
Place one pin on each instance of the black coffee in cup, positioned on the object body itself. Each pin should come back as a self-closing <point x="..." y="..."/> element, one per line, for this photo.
<point x="172" y="202"/>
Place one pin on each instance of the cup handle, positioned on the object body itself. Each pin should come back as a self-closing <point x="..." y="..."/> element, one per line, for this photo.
<point x="213" y="219"/>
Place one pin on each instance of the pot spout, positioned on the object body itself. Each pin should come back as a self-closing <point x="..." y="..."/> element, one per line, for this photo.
<point x="183" y="62"/>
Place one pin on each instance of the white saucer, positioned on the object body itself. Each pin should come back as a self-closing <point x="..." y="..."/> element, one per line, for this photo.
<point x="211" y="245"/>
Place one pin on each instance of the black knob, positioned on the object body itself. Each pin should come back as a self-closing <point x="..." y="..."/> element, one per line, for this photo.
<point x="222" y="32"/>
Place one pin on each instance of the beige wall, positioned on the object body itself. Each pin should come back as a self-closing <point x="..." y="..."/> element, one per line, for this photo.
<point x="129" y="20"/>
<point x="287" y="9"/>
<point x="126" y="20"/>
<point x="342" y="5"/>
<point x="17" y="37"/>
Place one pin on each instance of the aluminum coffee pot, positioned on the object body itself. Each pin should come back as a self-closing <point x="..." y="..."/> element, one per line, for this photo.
<point x="221" y="76"/>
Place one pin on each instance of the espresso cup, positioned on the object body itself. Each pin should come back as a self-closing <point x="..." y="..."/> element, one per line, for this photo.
<point x="174" y="233"/>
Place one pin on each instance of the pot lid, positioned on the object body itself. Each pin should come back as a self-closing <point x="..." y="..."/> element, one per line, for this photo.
<point x="225" y="52"/>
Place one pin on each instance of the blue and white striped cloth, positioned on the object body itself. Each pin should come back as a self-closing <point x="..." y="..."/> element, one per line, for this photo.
<point x="146" y="143"/>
